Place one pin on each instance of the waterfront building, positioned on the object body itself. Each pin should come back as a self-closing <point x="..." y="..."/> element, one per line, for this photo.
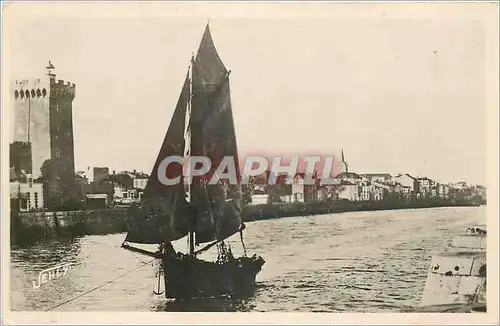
<point x="348" y="191"/>
<point x="479" y="191"/>
<point x="302" y="192"/>
<point x="443" y="191"/>
<point x="324" y="193"/>
<point x="127" y="179"/>
<point x="378" y="193"/>
<point x="373" y="191"/>
<point x="42" y="140"/>
<point x="117" y="193"/>
<point x="406" y="192"/>
<point x="122" y="195"/>
<point x="298" y="188"/>
<point x="349" y="177"/>
<point x="82" y="183"/>
<point x="461" y="185"/>
<point x="26" y="195"/>
<point x="381" y="177"/>
<point x="366" y="192"/>
<point x="140" y="181"/>
<point x="460" y="191"/>
<point x="100" y="174"/>
<point x="20" y="157"/>
<point x="406" y="180"/>
<point x="425" y="186"/>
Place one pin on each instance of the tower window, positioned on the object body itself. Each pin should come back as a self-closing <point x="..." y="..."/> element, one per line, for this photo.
<point x="44" y="92"/>
<point x="33" y="93"/>
<point x="58" y="153"/>
<point x="16" y="94"/>
<point x="38" y="93"/>
<point x="27" y="93"/>
<point x="22" y="94"/>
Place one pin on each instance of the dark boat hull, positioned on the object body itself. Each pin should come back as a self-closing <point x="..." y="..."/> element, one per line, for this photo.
<point x="187" y="277"/>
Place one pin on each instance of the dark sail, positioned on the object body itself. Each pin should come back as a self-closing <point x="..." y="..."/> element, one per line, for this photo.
<point x="161" y="215"/>
<point x="213" y="135"/>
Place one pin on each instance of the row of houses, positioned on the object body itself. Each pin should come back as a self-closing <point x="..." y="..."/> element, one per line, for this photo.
<point x="103" y="188"/>
<point x="362" y="187"/>
<point x="100" y="188"/>
<point x="96" y="188"/>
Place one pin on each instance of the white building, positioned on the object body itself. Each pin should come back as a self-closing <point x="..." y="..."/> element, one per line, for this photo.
<point x="140" y="183"/>
<point x="28" y="195"/>
<point x="366" y="192"/>
<point x="348" y="191"/>
<point x="298" y="189"/>
<point x="374" y="191"/>
<point x="380" y="177"/>
<point x="349" y="177"/>
<point x="405" y="180"/>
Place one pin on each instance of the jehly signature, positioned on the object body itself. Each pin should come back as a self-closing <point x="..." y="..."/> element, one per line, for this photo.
<point x="52" y="273"/>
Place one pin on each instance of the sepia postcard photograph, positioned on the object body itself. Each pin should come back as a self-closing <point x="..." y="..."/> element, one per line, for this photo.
<point x="279" y="163"/>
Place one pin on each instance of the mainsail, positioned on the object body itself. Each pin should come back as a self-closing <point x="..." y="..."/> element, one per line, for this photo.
<point x="161" y="215"/>
<point x="213" y="135"/>
<point x="164" y="214"/>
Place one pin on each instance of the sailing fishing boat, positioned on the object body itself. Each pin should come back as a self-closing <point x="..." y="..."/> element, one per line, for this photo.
<point x="206" y="214"/>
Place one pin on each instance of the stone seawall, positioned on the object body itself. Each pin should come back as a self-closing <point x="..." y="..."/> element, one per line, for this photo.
<point x="27" y="227"/>
<point x="277" y="210"/>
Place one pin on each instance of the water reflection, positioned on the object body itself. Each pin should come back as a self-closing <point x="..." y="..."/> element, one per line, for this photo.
<point x="243" y="302"/>
<point x="47" y="253"/>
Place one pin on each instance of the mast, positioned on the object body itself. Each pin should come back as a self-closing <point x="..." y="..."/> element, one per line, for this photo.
<point x="213" y="135"/>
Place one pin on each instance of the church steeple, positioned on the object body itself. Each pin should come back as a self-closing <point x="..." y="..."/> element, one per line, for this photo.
<point x="341" y="165"/>
<point x="344" y="161"/>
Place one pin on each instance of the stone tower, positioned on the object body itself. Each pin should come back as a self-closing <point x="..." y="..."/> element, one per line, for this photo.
<point x="43" y="120"/>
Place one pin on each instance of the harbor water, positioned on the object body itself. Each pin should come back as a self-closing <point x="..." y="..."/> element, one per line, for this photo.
<point x="348" y="262"/>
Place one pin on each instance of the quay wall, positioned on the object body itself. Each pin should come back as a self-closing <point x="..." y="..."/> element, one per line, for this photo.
<point x="277" y="210"/>
<point x="28" y="227"/>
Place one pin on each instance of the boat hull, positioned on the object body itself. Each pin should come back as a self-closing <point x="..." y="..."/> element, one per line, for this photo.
<point x="187" y="277"/>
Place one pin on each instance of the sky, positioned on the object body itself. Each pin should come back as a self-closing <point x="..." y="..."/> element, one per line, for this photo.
<point x="398" y="95"/>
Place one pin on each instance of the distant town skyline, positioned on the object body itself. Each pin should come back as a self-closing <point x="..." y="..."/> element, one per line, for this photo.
<point x="399" y="96"/>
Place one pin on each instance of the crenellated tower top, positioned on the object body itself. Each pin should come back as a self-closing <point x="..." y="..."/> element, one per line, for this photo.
<point x="43" y="88"/>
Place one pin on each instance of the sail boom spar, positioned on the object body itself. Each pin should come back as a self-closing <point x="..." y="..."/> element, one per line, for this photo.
<point x="142" y="251"/>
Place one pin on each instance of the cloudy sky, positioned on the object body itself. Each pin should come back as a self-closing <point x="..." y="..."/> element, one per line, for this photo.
<point x="399" y="95"/>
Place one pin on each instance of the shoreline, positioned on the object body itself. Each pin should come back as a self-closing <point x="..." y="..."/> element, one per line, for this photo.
<point x="30" y="227"/>
<point x="280" y="210"/>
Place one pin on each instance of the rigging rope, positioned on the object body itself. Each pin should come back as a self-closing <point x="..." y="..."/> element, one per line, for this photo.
<point x="100" y="286"/>
<point x="239" y="211"/>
